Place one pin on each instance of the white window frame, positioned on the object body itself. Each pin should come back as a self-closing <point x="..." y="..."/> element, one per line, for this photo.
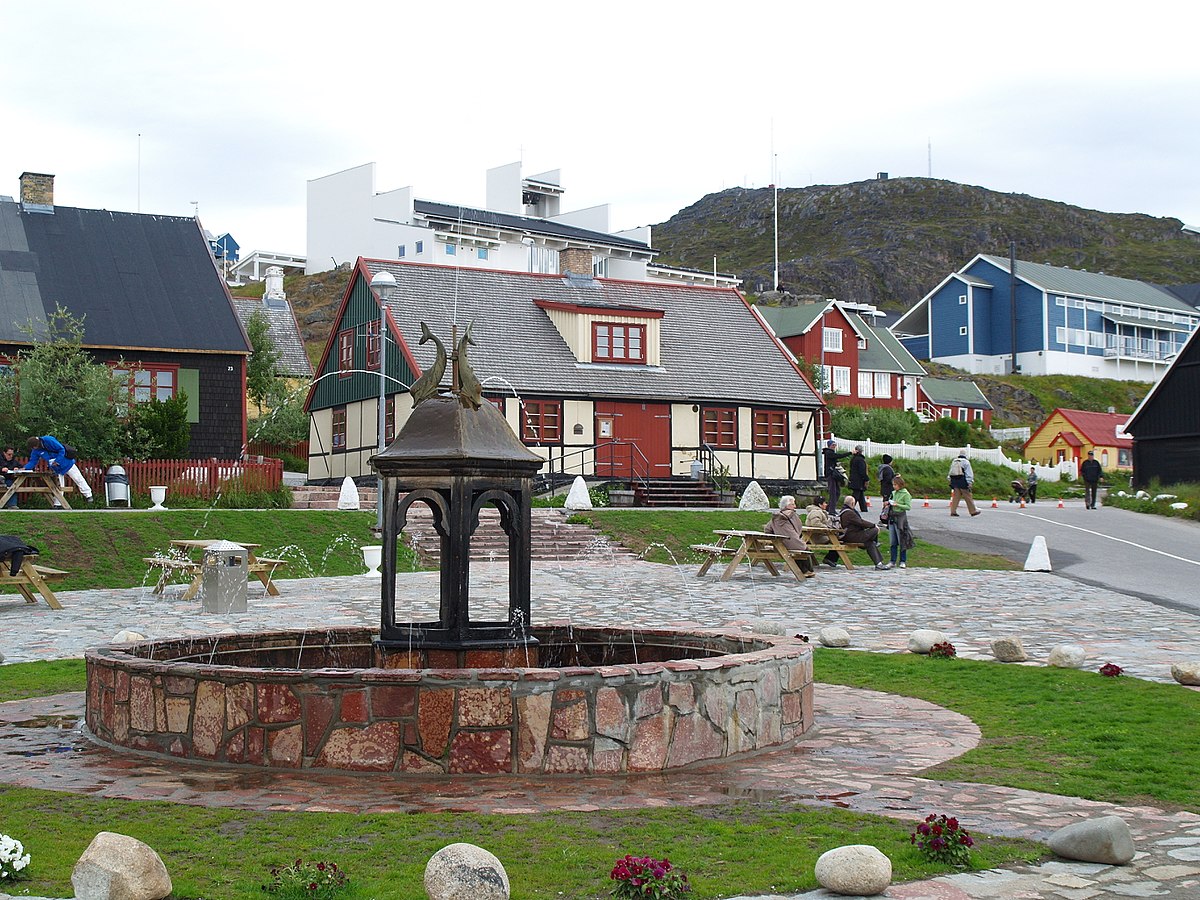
<point x="1060" y="301"/>
<point x="962" y="414"/>
<point x="1060" y="335"/>
<point x="962" y="331"/>
<point x="979" y="415"/>
<point x="831" y="339"/>
<point x="866" y="383"/>
<point x="883" y="385"/>
<point x="962" y="299"/>
<point x="841" y="380"/>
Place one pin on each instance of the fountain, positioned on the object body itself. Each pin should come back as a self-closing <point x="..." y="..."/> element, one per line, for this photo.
<point x="454" y="695"/>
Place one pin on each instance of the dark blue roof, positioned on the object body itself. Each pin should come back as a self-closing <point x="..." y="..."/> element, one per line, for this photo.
<point x="138" y="281"/>
<point x="448" y="212"/>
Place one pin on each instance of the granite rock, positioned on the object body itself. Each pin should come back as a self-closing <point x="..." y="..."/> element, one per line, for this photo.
<point x="1102" y="840"/>
<point x="465" y="872"/>
<point x="118" y="867"/>
<point x="1186" y="672"/>
<point x="856" y="869"/>
<point x="1009" y="649"/>
<point x="833" y="636"/>
<point x="1067" y="656"/>
<point x="923" y="638"/>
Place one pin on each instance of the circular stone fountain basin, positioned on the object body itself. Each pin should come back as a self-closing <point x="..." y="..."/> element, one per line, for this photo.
<point x="595" y="700"/>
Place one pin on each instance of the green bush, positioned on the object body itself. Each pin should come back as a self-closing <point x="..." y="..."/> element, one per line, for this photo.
<point x="953" y="433"/>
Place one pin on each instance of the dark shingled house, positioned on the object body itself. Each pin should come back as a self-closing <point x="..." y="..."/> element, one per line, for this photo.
<point x="148" y="292"/>
<point x="1166" y="425"/>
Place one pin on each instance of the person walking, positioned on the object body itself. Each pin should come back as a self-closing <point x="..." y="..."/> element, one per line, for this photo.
<point x="1090" y="472"/>
<point x="857" y="530"/>
<point x="50" y="449"/>
<point x="859" y="477"/>
<point x="833" y="478"/>
<point x="885" y="474"/>
<point x="8" y="464"/>
<point x="1031" y="486"/>
<point x="901" y="535"/>
<point x="962" y="479"/>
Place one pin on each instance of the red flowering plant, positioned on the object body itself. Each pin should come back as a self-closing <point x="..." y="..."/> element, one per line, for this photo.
<point x="943" y="650"/>
<point x="307" y="879"/>
<point x="644" y="876"/>
<point x="943" y="840"/>
<point x="1110" y="670"/>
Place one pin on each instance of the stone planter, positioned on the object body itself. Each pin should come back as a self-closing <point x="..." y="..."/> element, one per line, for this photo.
<point x="727" y="498"/>
<point x="620" y="498"/>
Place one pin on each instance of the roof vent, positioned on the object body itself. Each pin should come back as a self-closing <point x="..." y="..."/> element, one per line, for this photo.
<point x="37" y="192"/>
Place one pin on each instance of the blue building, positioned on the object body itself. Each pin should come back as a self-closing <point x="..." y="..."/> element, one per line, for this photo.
<point x="1066" y="322"/>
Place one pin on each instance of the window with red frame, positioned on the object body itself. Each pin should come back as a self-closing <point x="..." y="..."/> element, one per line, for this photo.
<point x="339" y="429"/>
<point x="620" y="343"/>
<point x="543" y="422"/>
<point x="149" y="382"/>
<point x="719" y="427"/>
<point x="497" y="402"/>
<point x="770" y="429"/>
<point x="373" y="344"/>
<point x="345" y="352"/>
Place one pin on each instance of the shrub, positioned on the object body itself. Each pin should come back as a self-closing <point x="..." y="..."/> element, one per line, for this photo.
<point x="943" y="840"/>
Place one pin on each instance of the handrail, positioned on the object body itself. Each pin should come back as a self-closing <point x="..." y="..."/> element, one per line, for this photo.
<point x="618" y="452"/>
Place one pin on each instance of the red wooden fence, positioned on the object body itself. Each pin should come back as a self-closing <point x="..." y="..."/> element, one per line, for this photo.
<point x="190" y="477"/>
<point x="262" y="448"/>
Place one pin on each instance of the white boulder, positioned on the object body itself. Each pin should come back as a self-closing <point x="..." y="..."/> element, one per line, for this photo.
<point x="921" y="640"/>
<point x="578" y="497"/>
<point x="1179" y="505"/>
<point x="1104" y="840"/>
<point x="1009" y="649"/>
<point x="348" y="498"/>
<point x="1066" y="656"/>
<point x="118" y="867"/>
<point x="833" y="636"/>
<point x="1186" y="672"/>
<point x="754" y="498"/>
<point x="857" y="870"/>
<point x="125" y="636"/>
<point x="1160" y="497"/>
<point x="465" y="872"/>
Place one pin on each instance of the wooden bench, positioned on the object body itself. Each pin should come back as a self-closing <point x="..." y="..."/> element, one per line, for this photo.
<point x="32" y="577"/>
<point x="712" y="553"/>
<point x="171" y="565"/>
<point x="834" y="544"/>
<point x="755" y="547"/>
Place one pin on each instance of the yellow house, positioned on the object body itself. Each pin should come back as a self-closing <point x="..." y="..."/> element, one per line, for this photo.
<point x="1069" y="434"/>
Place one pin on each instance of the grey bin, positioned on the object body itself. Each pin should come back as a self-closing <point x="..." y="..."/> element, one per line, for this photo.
<point x="116" y="486"/>
<point x="223" y="577"/>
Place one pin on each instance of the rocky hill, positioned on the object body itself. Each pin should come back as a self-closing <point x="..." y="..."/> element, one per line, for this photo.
<point x="890" y="242"/>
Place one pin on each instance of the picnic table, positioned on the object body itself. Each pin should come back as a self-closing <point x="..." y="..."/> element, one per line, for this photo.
<point x="31" y="577"/>
<point x="261" y="568"/>
<point x="754" y="547"/>
<point x="33" y="481"/>
<point x="835" y="544"/>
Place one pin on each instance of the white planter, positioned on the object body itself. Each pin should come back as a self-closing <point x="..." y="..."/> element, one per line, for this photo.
<point x="158" y="493"/>
<point x="372" y="559"/>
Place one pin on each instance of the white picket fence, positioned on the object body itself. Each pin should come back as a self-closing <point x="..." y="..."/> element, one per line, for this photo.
<point x="995" y="455"/>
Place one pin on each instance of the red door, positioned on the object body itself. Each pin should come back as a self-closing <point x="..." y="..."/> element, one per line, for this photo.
<point x="640" y="443"/>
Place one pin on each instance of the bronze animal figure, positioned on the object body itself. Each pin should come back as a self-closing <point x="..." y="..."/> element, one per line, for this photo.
<point x="427" y="385"/>
<point x="470" y="391"/>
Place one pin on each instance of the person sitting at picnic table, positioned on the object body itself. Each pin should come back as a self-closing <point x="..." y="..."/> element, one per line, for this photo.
<point x="8" y="464"/>
<point x="857" y="530"/>
<point x="817" y="516"/>
<point x="786" y="523"/>
<point x="50" y="449"/>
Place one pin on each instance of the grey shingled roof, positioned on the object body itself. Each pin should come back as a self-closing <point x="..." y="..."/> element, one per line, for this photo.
<point x="283" y="331"/>
<point x="138" y="281"/>
<point x="1056" y="280"/>
<point x="449" y="212"/>
<point x="883" y="352"/>
<point x="712" y="346"/>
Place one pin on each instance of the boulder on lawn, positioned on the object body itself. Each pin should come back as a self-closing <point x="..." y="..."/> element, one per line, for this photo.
<point x="754" y="498"/>
<point x="921" y="640"/>
<point x="1066" y="656"/>
<point x="1009" y="649"/>
<point x="1186" y="672"/>
<point x="857" y="870"/>
<point x="833" y="636"/>
<point x="118" y="867"/>
<point x="465" y="872"/>
<point x="1104" y="840"/>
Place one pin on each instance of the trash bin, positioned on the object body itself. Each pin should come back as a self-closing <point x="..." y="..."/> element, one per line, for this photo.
<point x="116" y="486"/>
<point x="697" y="470"/>
<point x="223" y="577"/>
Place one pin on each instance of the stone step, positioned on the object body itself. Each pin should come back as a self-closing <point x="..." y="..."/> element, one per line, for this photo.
<point x="551" y="537"/>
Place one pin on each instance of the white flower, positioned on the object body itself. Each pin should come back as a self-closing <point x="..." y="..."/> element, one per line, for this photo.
<point x="13" y="857"/>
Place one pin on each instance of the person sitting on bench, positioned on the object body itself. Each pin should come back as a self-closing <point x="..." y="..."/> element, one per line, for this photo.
<point x="786" y="523"/>
<point x="857" y="530"/>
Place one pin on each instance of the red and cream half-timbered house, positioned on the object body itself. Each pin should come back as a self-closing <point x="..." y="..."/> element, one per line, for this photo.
<point x="606" y="378"/>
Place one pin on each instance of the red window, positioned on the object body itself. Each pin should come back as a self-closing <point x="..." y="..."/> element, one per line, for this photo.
<point x="718" y="427"/>
<point x="345" y="352"/>
<point x="149" y="382"/>
<point x="339" y="429"/>
<point x="389" y="428"/>
<point x="373" y="344"/>
<point x="770" y="429"/>
<point x="543" y="422"/>
<point x="497" y="402"/>
<point x="620" y="343"/>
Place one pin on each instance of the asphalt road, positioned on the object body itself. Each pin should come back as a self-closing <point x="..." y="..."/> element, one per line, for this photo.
<point x="1151" y="557"/>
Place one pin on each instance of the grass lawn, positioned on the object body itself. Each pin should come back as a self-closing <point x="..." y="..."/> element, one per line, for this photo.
<point x="666" y="535"/>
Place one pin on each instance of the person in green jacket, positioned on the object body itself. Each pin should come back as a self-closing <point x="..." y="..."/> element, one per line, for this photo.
<point x="898" y="507"/>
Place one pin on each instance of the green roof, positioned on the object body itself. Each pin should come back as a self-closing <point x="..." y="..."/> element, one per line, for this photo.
<point x="948" y="392"/>
<point x="789" y="321"/>
<point x="883" y="352"/>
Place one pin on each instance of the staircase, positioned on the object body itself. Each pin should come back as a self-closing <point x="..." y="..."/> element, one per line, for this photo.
<point x="326" y="497"/>
<point x="677" y="492"/>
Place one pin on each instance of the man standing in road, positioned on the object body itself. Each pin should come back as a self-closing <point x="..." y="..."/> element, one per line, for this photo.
<point x="962" y="479"/>
<point x="1090" y="472"/>
<point x="833" y="478"/>
<point x="859" y="477"/>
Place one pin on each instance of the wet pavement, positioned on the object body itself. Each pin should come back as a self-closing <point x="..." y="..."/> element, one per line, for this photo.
<point x="864" y="755"/>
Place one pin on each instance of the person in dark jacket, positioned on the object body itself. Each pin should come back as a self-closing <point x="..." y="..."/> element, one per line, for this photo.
<point x="857" y="530"/>
<point x="859" y="477"/>
<point x="885" y="474"/>
<point x="829" y="465"/>
<point x="8" y="464"/>
<point x="1090" y="472"/>
<point x="49" y="448"/>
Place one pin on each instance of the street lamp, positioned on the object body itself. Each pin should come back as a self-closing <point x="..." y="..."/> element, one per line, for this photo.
<point x="383" y="283"/>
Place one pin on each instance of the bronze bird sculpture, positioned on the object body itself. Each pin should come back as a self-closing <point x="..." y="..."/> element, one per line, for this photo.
<point x="427" y="385"/>
<point x="470" y="391"/>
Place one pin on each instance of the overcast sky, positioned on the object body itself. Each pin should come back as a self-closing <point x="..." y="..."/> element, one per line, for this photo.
<point x="647" y="106"/>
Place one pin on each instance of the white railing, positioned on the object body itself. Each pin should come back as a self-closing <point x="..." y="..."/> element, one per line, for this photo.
<point x="995" y="455"/>
<point x="1011" y="434"/>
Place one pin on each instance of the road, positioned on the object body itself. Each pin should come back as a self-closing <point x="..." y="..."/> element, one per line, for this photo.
<point x="1154" y="558"/>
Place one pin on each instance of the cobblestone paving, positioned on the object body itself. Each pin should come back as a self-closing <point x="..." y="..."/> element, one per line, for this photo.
<point x="864" y="755"/>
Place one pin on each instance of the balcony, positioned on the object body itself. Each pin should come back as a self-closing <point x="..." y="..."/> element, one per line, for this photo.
<point x="1144" y="350"/>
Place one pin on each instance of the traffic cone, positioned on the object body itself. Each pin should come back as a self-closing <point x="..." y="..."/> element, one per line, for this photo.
<point x="1022" y="506"/>
<point x="994" y="504"/>
<point x="1060" y="503"/>
<point x="926" y="503"/>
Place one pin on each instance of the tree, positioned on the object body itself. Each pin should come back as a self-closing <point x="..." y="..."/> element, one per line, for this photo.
<point x="262" y="369"/>
<point x="287" y="422"/>
<point x="159" y="429"/>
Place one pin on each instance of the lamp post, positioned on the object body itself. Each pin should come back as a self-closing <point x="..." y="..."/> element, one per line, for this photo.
<point x="383" y="283"/>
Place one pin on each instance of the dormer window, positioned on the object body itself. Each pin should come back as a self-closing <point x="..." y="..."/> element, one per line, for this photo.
<point x="618" y="342"/>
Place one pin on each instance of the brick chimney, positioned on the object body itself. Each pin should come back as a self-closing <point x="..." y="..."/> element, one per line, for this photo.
<point x="576" y="261"/>
<point x="37" y="192"/>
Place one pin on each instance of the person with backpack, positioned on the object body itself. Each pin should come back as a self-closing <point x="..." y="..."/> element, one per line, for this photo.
<point x="859" y="477"/>
<point x="885" y="474"/>
<point x="59" y="459"/>
<point x="962" y="479"/>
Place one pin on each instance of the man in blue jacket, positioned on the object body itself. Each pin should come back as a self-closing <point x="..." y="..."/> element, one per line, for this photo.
<point x="50" y="449"/>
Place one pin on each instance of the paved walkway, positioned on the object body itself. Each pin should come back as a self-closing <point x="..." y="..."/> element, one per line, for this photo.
<point x="864" y="756"/>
